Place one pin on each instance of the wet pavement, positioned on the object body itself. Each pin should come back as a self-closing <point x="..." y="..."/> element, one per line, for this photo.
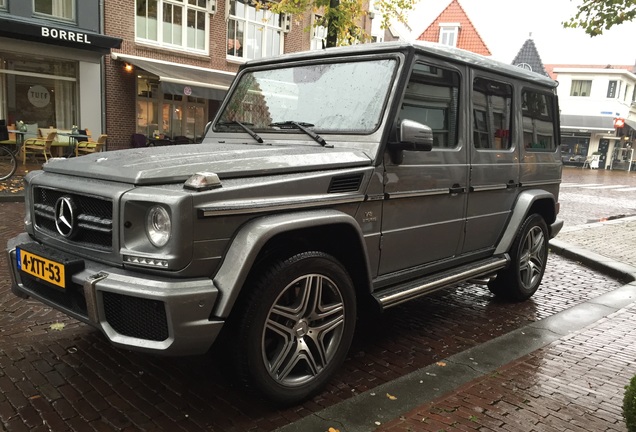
<point x="59" y="374"/>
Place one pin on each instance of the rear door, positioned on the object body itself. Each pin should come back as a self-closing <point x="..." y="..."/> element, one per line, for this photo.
<point x="494" y="161"/>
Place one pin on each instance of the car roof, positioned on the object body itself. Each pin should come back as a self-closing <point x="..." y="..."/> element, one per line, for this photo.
<point x="421" y="47"/>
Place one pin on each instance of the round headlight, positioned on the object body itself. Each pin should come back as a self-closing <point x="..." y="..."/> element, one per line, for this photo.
<point x="158" y="226"/>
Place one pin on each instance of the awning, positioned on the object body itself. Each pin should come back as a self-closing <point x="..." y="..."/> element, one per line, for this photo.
<point x="181" y="79"/>
<point x="631" y="123"/>
<point x="57" y="34"/>
<point x="589" y="123"/>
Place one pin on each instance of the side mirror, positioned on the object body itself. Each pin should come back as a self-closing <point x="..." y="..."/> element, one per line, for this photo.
<point x="414" y="136"/>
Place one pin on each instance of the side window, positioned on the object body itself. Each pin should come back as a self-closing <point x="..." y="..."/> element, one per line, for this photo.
<point x="492" y="114"/>
<point x="432" y="99"/>
<point x="538" y="120"/>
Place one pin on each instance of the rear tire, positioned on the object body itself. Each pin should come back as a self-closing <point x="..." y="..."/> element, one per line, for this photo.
<point x="528" y="255"/>
<point x="295" y="326"/>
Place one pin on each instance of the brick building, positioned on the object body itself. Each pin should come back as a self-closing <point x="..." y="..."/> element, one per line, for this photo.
<point x="178" y="58"/>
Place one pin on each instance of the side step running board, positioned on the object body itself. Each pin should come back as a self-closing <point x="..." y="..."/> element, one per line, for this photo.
<point x="396" y="295"/>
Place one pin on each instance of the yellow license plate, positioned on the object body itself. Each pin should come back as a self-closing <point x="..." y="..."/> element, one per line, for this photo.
<point x="45" y="269"/>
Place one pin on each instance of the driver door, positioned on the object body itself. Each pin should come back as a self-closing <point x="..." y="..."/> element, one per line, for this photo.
<point x="425" y="193"/>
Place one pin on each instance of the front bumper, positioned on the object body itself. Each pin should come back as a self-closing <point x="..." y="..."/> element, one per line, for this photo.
<point x="136" y="311"/>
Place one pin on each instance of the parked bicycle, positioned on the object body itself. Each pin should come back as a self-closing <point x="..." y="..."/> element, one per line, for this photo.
<point x="8" y="163"/>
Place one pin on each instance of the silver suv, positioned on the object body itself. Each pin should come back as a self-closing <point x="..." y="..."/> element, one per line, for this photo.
<point x="330" y="182"/>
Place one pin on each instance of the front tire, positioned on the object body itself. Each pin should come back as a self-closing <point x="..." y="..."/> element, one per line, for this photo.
<point x="528" y="254"/>
<point x="295" y="327"/>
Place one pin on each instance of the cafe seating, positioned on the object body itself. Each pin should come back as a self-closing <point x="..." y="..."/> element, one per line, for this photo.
<point x="87" y="147"/>
<point x="180" y="139"/>
<point x="37" y="146"/>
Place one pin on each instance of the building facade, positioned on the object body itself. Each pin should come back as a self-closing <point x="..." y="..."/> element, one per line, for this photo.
<point x="178" y="58"/>
<point x="51" y="63"/>
<point x="598" y="114"/>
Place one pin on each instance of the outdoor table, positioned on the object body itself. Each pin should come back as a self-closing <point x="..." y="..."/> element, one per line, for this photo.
<point x="73" y="142"/>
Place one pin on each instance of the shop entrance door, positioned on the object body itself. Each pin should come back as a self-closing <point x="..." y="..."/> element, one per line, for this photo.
<point x="603" y="146"/>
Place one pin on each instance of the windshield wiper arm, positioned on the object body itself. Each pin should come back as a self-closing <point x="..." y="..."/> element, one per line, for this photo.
<point x="303" y="127"/>
<point x="249" y="131"/>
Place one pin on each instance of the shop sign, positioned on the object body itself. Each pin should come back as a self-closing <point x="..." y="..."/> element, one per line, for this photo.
<point x="67" y="35"/>
<point x="187" y="91"/>
<point x="619" y="123"/>
<point x="39" y="96"/>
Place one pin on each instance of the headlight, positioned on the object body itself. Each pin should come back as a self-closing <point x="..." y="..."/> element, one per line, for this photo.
<point x="158" y="226"/>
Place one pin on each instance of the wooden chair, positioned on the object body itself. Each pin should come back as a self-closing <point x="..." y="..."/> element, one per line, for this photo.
<point x="36" y="146"/>
<point x="87" y="147"/>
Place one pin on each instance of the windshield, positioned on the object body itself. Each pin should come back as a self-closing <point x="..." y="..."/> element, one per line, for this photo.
<point x="332" y="97"/>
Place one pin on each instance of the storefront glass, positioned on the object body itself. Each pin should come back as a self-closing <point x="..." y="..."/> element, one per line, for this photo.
<point x="574" y="149"/>
<point x="38" y="91"/>
<point x="179" y="115"/>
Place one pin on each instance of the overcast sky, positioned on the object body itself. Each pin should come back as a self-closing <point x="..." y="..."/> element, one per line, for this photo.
<point x="504" y="25"/>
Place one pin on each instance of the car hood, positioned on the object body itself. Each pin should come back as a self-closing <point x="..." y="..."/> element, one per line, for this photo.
<point x="175" y="164"/>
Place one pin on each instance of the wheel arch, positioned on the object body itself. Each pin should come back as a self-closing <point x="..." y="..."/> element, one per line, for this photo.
<point x="529" y="201"/>
<point x="329" y="231"/>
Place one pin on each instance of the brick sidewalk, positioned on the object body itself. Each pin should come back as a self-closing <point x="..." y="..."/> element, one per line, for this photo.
<point x="574" y="384"/>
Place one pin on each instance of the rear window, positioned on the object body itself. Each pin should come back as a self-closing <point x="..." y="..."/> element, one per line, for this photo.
<point x="538" y="121"/>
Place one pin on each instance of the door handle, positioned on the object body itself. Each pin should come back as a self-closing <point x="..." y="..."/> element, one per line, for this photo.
<point x="456" y="189"/>
<point x="511" y="184"/>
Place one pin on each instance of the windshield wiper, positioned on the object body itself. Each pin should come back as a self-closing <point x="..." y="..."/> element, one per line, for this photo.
<point x="303" y="127"/>
<point x="249" y="131"/>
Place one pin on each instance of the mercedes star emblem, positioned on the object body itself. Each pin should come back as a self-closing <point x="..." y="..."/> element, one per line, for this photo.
<point x="65" y="216"/>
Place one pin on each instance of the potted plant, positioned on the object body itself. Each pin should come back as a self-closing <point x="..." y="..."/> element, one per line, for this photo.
<point x="629" y="405"/>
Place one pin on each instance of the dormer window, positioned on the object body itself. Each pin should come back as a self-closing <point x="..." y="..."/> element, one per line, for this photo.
<point x="448" y="33"/>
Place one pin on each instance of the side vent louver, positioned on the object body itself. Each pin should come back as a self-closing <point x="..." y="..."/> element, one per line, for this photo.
<point x="350" y="183"/>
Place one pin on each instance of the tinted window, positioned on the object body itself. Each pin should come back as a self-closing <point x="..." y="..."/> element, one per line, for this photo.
<point x="492" y="114"/>
<point x="432" y="99"/>
<point x="538" y="120"/>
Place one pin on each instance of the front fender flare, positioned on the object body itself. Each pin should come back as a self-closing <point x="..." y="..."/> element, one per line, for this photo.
<point x="254" y="235"/>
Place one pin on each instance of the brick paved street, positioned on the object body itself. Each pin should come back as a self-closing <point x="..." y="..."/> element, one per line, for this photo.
<point x="71" y="379"/>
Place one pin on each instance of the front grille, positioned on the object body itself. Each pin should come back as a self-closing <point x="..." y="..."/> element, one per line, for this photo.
<point x="136" y="317"/>
<point x="94" y="217"/>
<point x="71" y="298"/>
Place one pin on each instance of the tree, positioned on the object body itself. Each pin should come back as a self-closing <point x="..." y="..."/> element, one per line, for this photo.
<point x="341" y="17"/>
<point x="595" y="16"/>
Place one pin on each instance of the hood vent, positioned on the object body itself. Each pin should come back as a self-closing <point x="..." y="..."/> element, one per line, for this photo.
<point x="349" y="183"/>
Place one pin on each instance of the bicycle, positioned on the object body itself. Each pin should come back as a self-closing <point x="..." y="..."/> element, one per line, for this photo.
<point x="8" y="163"/>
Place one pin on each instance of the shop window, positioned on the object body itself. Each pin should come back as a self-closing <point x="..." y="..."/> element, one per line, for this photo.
<point x="538" y="120"/>
<point x="252" y="32"/>
<point x="492" y="116"/>
<point x="168" y="115"/>
<point x="60" y="9"/>
<point x="38" y="91"/>
<point x="448" y="34"/>
<point x="581" y="88"/>
<point x="175" y="24"/>
<point x="432" y="99"/>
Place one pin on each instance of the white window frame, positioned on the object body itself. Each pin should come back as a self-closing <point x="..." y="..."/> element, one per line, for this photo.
<point x="186" y="7"/>
<point x="57" y="7"/>
<point x="578" y="87"/>
<point x="449" y="33"/>
<point x="262" y="22"/>
<point x="319" y="33"/>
